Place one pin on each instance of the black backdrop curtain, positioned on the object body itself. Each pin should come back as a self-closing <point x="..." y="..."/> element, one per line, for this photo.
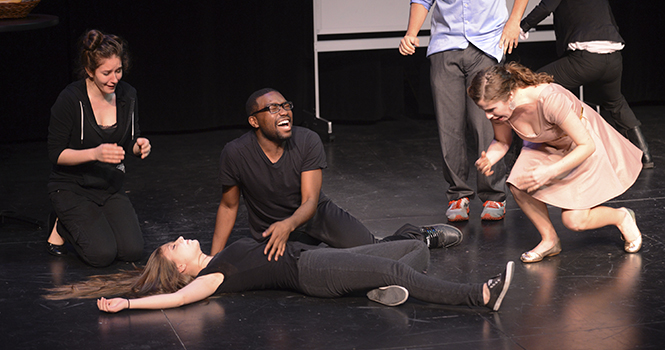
<point x="195" y="63"/>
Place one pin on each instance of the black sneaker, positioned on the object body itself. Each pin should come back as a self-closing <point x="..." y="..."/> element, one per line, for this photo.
<point x="389" y="295"/>
<point x="441" y="235"/>
<point x="498" y="286"/>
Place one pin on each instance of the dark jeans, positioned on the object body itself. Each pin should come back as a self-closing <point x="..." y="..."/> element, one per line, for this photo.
<point x="337" y="228"/>
<point x="335" y="272"/>
<point x="599" y="70"/>
<point x="99" y="233"/>
<point x="450" y="74"/>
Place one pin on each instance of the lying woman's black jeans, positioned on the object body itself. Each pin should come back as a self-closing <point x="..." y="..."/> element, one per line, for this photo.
<point x="336" y="272"/>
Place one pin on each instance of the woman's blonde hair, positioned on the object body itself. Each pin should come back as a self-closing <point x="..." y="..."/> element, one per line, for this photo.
<point x="497" y="82"/>
<point x="159" y="276"/>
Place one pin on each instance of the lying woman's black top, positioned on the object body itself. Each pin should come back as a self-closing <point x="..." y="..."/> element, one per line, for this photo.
<point x="245" y="267"/>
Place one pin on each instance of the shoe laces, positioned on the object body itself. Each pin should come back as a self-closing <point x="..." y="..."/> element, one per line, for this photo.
<point x="456" y="204"/>
<point x="493" y="204"/>
<point x="494" y="281"/>
<point x="429" y="232"/>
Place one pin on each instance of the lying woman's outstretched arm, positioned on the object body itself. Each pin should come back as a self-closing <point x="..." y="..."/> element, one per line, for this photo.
<point x="199" y="289"/>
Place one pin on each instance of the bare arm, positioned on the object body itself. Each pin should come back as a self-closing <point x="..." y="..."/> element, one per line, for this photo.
<point x="417" y="16"/>
<point x="226" y="218"/>
<point x="503" y="138"/>
<point x="310" y="188"/>
<point x="537" y="176"/>
<point x="511" y="30"/>
<point x="106" y="152"/>
<point x="573" y="126"/>
<point x="201" y="288"/>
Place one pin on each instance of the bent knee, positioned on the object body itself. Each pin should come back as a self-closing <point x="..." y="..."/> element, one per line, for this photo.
<point x="575" y="220"/>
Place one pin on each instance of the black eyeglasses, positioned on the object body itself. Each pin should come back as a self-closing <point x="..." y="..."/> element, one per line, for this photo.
<point x="273" y="108"/>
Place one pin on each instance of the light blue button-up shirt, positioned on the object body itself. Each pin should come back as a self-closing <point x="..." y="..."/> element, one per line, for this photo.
<point x="456" y="23"/>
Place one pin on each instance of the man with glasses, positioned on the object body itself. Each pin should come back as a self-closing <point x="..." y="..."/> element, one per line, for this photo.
<point x="277" y="167"/>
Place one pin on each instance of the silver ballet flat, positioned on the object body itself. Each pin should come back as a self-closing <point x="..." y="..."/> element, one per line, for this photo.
<point x="635" y="245"/>
<point x="532" y="257"/>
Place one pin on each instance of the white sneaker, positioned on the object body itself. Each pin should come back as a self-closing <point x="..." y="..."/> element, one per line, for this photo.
<point x="458" y="210"/>
<point x="493" y="210"/>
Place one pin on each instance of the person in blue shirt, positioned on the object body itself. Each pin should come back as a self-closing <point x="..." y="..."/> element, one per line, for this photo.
<point x="466" y="37"/>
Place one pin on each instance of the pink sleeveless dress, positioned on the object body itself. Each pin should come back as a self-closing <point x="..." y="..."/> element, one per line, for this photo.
<point x="610" y="170"/>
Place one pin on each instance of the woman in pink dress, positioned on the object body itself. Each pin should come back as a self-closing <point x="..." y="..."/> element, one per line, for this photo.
<point x="571" y="158"/>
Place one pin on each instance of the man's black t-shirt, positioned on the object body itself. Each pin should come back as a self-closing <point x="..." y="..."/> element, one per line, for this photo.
<point x="271" y="190"/>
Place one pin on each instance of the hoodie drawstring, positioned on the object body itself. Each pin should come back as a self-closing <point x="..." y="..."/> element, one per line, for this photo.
<point x="81" y="104"/>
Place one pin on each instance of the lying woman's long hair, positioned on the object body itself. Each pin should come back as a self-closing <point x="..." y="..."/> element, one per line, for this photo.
<point x="159" y="276"/>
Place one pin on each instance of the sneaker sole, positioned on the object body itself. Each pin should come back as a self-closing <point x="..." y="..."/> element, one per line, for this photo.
<point x="389" y="295"/>
<point x="458" y="218"/>
<point x="453" y="244"/>
<point x="510" y="268"/>
<point x="489" y="217"/>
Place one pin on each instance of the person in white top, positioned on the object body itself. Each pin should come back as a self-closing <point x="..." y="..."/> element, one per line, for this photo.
<point x="590" y="47"/>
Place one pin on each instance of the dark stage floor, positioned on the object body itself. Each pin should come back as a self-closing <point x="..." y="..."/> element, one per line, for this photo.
<point x="591" y="296"/>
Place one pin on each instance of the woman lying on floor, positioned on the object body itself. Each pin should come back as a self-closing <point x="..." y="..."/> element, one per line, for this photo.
<point x="179" y="273"/>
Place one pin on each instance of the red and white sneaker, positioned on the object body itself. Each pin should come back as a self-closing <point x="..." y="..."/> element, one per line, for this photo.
<point x="458" y="210"/>
<point x="493" y="210"/>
